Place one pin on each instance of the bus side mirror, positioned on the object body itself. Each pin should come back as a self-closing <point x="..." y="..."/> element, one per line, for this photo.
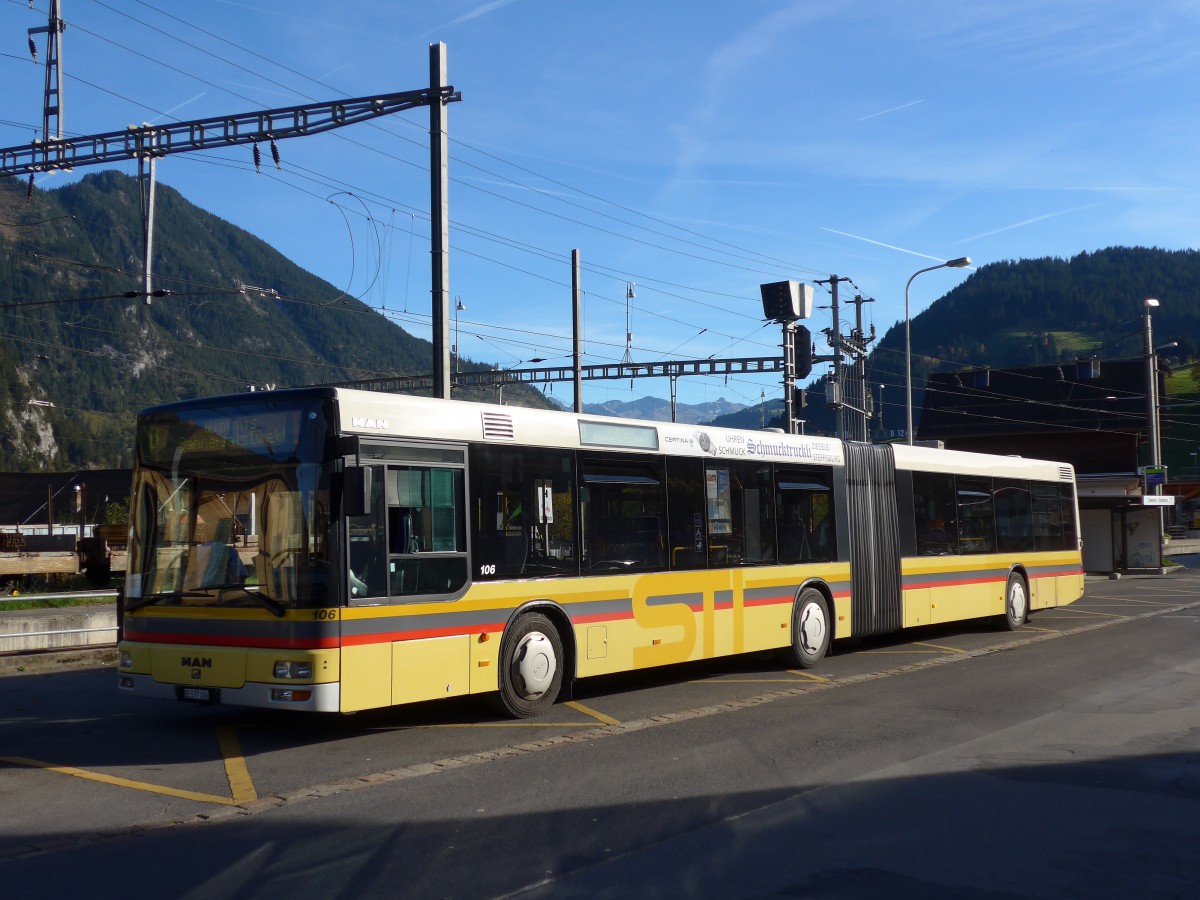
<point x="356" y="491"/>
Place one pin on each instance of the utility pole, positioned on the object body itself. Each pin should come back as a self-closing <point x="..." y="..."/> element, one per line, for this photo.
<point x="439" y="220"/>
<point x="834" y="338"/>
<point x="786" y="302"/>
<point x="146" y="164"/>
<point x="52" y="107"/>
<point x="151" y="142"/>
<point x="627" y="359"/>
<point x="860" y="396"/>
<point x="848" y="393"/>
<point x="576" y="330"/>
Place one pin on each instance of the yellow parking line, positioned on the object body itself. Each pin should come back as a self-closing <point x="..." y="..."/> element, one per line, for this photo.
<point x="120" y="782"/>
<point x="939" y="647"/>
<point x="532" y="723"/>
<point x="1035" y="628"/>
<point x="1123" y="604"/>
<point x="743" y="681"/>
<point x="587" y="711"/>
<point x="900" y="652"/>
<point x="240" y="785"/>
<point x="809" y="675"/>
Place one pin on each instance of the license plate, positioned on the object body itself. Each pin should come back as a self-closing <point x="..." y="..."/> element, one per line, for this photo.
<point x="198" y="694"/>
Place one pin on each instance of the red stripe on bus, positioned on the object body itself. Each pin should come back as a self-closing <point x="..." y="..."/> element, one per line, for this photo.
<point x="601" y="617"/>
<point x="912" y="584"/>
<point x="768" y="601"/>
<point x="1058" y="573"/>
<point x="391" y="637"/>
<point x="956" y="582"/>
<point x="264" y="643"/>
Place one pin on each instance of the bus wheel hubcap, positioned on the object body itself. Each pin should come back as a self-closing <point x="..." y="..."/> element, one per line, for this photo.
<point x="1016" y="602"/>
<point x="812" y="628"/>
<point x="534" y="665"/>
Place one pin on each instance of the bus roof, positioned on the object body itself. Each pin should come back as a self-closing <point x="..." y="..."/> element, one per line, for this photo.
<point x="369" y="413"/>
<point x="400" y="416"/>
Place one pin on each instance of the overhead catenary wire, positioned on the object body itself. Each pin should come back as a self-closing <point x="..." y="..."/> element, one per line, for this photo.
<point x="377" y="150"/>
<point x="641" y="278"/>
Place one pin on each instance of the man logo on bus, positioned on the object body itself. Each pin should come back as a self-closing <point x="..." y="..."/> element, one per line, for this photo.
<point x="380" y="424"/>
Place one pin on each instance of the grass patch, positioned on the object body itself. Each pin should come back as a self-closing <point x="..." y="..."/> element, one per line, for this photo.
<point x="31" y="601"/>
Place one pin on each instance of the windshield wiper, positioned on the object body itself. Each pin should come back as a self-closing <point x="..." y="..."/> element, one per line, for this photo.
<point x="255" y="594"/>
<point x="146" y="600"/>
<point x="277" y="609"/>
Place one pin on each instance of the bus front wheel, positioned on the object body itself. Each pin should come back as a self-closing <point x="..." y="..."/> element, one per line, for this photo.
<point x="810" y="630"/>
<point x="531" y="667"/>
<point x="1016" y="602"/>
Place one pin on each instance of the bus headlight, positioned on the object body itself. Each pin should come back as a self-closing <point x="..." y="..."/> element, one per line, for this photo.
<point x="290" y="695"/>
<point x="286" y="669"/>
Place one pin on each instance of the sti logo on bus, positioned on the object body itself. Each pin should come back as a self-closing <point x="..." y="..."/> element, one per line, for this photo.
<point x="380" y="424"/>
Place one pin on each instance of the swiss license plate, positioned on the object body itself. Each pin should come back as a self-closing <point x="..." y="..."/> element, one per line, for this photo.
<point x="198" y="694"/>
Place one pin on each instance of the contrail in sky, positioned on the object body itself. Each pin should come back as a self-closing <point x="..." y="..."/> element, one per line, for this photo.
<point x="884" y="112"/>
<point x="1052" y="215"/>
<point x="478" y="11"/>
<point x="881" y="244"/>
<point x="177" y="106"/>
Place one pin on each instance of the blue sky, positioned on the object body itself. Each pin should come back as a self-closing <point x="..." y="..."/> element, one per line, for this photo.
<point x="695" y="149"/>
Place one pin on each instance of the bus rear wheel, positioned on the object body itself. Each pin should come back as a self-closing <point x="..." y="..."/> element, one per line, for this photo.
<point x="1016" y="602"/>
<point x="810" y="630"/>
<point x="531" y="667"/>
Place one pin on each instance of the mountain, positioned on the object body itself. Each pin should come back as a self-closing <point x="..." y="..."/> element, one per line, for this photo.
<point x="658" y="409"/>
<point x="1034" y="312"/>
<point x="762" y="415"/>
<point x="79" y="358"/>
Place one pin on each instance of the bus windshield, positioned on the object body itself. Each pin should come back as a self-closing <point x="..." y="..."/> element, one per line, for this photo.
<point x="231" y="506"/>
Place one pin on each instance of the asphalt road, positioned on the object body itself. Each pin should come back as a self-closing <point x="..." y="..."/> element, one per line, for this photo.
<point x="1060" y="761"/>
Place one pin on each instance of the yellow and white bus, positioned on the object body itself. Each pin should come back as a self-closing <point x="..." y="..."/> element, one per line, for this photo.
<point x="337" y="550"/>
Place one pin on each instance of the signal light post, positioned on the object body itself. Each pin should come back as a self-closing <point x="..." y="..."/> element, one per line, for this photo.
<point x="786" y="302"/>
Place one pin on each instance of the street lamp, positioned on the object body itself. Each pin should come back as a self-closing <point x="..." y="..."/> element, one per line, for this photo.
<point x="961" y="263"/>
<point x="458" y="307"/>
<point x="500" y="385"/>
<point x="1152" y="408"/>
<point x="882" y="429"/>
<point x="1152" y="401"/>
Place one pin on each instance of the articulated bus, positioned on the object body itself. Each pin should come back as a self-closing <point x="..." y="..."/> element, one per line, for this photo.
<point x="336" y="550"/>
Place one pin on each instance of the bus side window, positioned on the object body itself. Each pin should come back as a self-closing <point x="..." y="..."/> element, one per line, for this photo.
<point x="741" y="514"/>
<point x="522" y="512"/>
<point x="427" y="545"/>
<point x="624" y="512"/>
<point x="368" y="557"/>
<point x="686" y="541"/>
<point x="804" y="513"/>
<point x="935" y="509"/>
<point x="1014" y="516"/>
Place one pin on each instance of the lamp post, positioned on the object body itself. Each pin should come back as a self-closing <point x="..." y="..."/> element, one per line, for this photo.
<point x="458" y="307"/>
<point x="1151" y="381"/>
<point x="1152" y="407"/>
<point x="960" y="263"/>
<point x="504" y="381"/>
<point x="882" y="428"/>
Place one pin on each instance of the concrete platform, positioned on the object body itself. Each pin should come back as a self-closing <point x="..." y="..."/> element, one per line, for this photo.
<point x="81" y="635"/>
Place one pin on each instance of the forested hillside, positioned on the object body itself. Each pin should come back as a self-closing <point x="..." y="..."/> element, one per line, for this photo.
<point x="70" y="337"/>
<point x="1037" y="311"/>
